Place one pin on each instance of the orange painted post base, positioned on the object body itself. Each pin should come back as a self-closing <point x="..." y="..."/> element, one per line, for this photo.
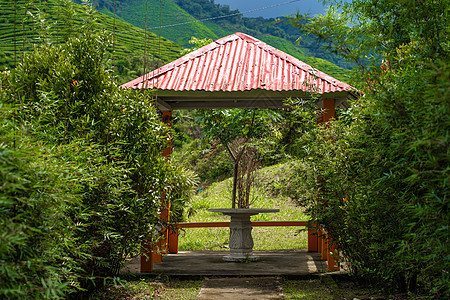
<point x="313" y="239"/>
<point x="329" y="251"/>
<point x="333" y="256"/>
<point x="146" y="260"/>
<point x="324" y="247"/>
<point x="164" y="217"/>
<point x="173" y="241"/>
<point x="151" y="255"/>
<point x="156" y="253"/>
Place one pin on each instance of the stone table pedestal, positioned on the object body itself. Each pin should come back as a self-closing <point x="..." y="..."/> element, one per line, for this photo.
<point x="241" y="241"/>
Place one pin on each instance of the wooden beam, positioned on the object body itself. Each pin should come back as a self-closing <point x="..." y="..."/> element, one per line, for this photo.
<point x="163" y="105"/>
<point x="184" y="95"/>
<point x="226" y="104"/>
<point x="254" y="224"/>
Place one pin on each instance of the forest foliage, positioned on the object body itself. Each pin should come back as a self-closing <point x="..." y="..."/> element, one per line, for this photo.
<point x="81" y="168"/>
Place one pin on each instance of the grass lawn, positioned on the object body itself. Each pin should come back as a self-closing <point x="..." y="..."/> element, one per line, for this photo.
<point x="150" y="288"/>
<point x="316" y="289"/>
<point x="218" y="195"/>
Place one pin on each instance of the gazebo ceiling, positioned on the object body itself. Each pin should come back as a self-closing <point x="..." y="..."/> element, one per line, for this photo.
<point x="237" y="71"/>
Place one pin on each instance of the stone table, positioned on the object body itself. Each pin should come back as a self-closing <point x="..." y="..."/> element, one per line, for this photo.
<point x="241" y="241"/>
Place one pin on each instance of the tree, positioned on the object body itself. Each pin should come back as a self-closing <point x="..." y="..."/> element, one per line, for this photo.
<point x="381" y="171"/>
<point x="198" y="43"/>
<point x="236" y="129"/>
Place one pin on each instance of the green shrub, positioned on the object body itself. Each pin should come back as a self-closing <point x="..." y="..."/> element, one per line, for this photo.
<point x="209" y="162"/>
<point x="377" y="179"/>
<point x="37" y="240"/>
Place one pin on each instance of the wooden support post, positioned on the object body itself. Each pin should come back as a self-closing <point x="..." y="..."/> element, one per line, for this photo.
<point x="329" y="110"/>
<point x="146" y="260"/>
<point x="156" y="253"/>
<point x="333" y="256"/>
<point x="324" y="249"/>
<point x="165" y="206"/>
<point x="173" y="241"/>
<point x="313" y="239"/>
<point x="328" y="114"/>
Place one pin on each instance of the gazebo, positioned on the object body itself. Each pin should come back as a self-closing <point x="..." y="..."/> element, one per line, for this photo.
<point x="240" y="71"/>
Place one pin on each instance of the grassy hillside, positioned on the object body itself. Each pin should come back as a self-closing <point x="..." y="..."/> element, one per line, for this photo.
<point x="134" y="12"/>
<point x="265" y="195"/>
<point x="61" y="21"/>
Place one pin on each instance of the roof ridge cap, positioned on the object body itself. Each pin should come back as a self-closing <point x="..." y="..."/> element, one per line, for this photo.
<point x="248" y="38"/>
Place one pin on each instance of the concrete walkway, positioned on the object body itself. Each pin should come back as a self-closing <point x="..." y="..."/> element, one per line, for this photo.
<point x="243" y="288"/>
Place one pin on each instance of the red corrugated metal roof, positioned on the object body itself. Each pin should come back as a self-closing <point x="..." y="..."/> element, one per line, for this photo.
<point x="238" y="62"/>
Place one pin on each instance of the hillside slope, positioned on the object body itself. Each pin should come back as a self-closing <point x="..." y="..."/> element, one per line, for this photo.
<point x="265" y="194"/>
<point x="55" y="21"/>
<point x="134" y="12"/>
<point x="177" y="20"/>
